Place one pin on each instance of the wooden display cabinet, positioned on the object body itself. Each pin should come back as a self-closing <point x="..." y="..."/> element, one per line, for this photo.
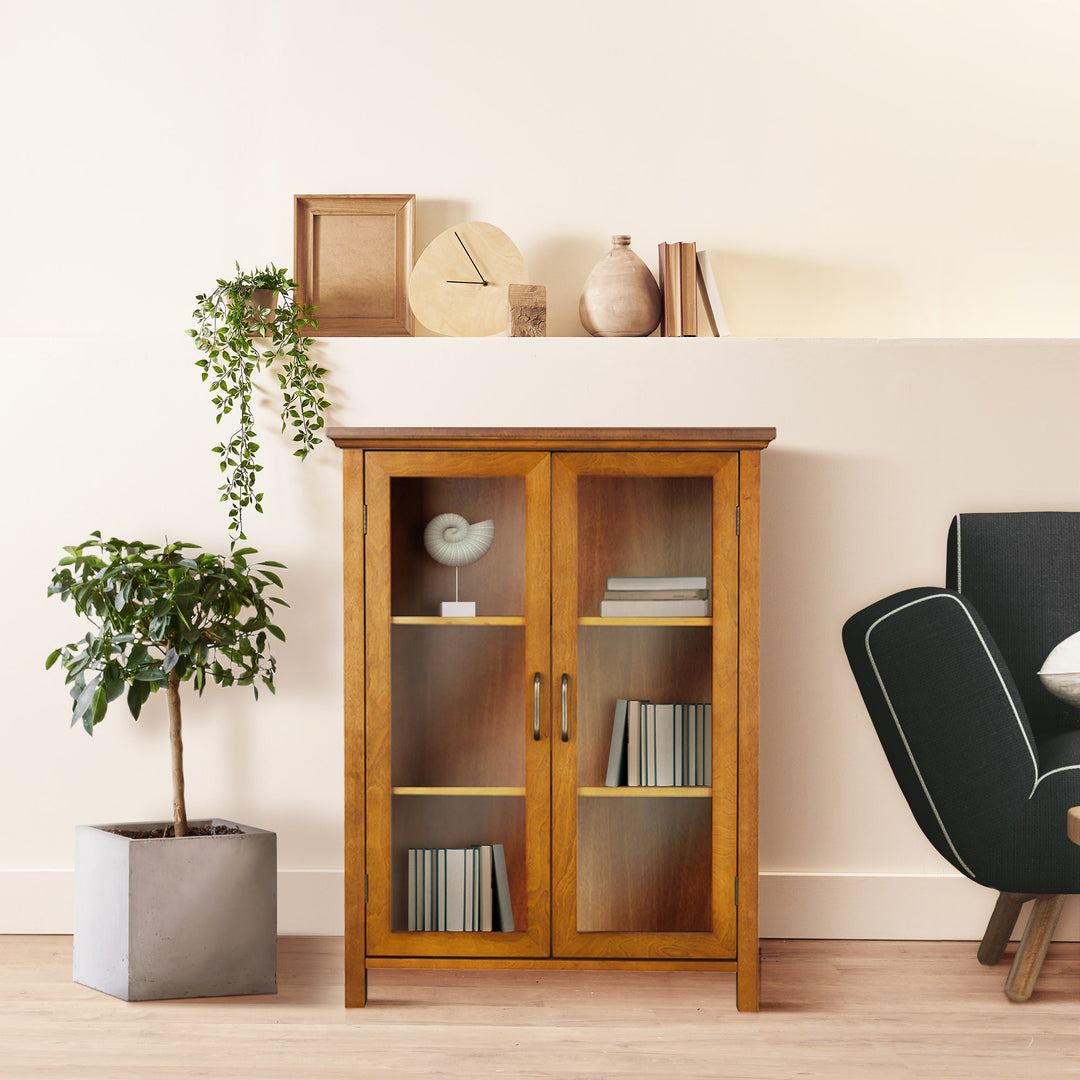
<point x="495" y="729"/>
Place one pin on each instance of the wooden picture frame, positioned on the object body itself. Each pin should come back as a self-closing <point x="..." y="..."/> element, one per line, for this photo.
<point x="352" y="257"/>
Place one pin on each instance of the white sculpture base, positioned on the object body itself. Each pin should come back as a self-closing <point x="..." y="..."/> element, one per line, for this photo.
<point x="458" y="607"/>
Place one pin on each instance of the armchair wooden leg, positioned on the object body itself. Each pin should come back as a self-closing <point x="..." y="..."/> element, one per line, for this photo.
<point x="1033" y="945"/>
<point x="999" y="929"/>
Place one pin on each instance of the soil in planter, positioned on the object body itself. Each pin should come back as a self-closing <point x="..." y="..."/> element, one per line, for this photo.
<point x="203" y="829"/>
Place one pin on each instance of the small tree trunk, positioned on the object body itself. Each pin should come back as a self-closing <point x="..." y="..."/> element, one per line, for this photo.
<point x="179" y="808"/>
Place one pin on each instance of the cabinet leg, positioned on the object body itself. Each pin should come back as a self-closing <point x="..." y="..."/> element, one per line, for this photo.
<point x="356" y="976"/>
<point x="747" y="982"/>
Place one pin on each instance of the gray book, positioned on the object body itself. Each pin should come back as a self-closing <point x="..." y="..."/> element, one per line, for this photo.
<point x="503" y="915"/>
<point x="617" y="755"/>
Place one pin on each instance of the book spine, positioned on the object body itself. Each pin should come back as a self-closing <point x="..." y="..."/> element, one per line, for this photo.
<point x="616" y="770"/>
<point x="688" y="293"/>
<point x="652" y="583"/>
<point x="504" y="915"/>
<point x="653" y="609"/>
<point x="665" y="745"/>
<point x="411" y="925"/>
<point x="671" y="321"/>
<point x="633" y="743"/>
<point x="707" y="750"/>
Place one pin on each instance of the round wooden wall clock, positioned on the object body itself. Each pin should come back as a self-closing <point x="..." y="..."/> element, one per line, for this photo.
<point x="458" y="285"/>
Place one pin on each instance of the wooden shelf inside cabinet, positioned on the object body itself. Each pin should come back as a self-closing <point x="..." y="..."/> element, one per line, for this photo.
<point x="645" y="792"/>
<point x="459" y="791"/>
<point x="652" y="620"/>
<point x="457" y="620"/>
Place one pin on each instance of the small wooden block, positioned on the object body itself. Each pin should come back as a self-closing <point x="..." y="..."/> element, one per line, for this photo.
<point x="528" y="310"/>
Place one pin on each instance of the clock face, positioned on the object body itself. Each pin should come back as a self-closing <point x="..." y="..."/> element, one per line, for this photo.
<point x="458" y="285"/>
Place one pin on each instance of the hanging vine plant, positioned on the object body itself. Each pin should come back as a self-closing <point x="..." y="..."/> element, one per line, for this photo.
<point x="230" y="323"/>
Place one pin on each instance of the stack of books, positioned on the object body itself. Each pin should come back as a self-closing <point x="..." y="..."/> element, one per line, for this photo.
<point x="684" y="271"/>
<point x="655" y="597"/>
<point x="459" y="889"/>
<point x="660" y="745"/>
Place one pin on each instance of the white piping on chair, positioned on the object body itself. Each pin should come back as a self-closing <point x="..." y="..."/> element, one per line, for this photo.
<point x="899" y="726"/>
<point x="959" y="573"/>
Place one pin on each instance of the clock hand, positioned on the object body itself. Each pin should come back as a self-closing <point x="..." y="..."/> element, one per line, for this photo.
<point x="482" y="280"/>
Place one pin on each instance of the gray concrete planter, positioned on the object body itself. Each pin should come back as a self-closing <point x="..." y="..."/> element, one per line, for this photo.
<point x="175" y="918"/>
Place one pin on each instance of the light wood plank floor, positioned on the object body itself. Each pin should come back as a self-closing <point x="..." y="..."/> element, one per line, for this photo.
<point x="834" y="1010"/>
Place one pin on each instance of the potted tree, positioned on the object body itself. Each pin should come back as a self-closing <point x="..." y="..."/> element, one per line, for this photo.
<point x="171" y="908"/>
<point x="230" y="322"/>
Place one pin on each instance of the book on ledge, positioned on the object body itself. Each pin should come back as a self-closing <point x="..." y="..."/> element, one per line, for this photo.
<point x="710" y="294"/>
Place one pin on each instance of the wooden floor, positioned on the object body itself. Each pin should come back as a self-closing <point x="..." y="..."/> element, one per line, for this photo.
<point x="835" y="1010"/>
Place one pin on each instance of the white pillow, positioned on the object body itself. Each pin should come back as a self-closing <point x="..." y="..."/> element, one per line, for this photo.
<point x="1060" y="673"/>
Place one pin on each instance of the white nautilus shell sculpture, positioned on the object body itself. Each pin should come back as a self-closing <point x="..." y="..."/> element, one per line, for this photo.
<point x="452" y="541"/>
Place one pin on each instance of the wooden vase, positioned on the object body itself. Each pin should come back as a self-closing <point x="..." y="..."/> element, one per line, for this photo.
<point x="620" y="297"/>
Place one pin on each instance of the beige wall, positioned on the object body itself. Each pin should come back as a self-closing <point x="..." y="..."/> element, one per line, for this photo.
<point x="859" y="172"/>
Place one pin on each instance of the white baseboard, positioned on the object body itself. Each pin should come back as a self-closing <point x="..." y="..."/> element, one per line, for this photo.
<point x="915" y="907"/>
<point x="886" y="907"/>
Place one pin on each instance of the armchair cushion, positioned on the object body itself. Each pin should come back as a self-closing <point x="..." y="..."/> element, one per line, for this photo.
<point x="1060" y="672"/>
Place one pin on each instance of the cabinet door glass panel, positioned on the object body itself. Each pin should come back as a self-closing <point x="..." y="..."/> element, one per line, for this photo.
<point x="652" y="821"/>
<point x="644" y="846"/>
<point x="450" y="725"/>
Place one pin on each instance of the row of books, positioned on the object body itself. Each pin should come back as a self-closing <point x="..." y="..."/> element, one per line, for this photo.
<point x="684" y="271"/>
<point x="660" y="745"/>
<point x="654" y="597"/>
<point x="459" y="889"/>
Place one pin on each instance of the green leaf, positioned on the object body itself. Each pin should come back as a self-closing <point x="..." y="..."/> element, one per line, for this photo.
<point x="84" y="703"/>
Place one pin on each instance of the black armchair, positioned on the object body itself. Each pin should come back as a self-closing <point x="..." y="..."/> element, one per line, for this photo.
<point x="987" y="758"/>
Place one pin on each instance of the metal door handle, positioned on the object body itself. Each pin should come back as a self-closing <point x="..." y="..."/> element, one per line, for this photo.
<point x="536" y="706"/>
<point x="565" y="708"/>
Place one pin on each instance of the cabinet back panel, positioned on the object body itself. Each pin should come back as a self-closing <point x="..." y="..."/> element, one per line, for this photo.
<point x="461" y="711"/>
<point x="644" y="865"/>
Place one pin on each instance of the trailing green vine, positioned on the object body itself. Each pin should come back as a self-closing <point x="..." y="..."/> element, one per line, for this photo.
<point x="229" y="322"/>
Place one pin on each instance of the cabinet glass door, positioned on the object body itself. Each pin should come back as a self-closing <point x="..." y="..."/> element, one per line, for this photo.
<point x="645" y="669"/>
<point x="458" y="758"/>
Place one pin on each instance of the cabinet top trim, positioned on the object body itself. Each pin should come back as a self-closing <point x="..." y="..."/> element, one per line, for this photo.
<point x="727" y="438"/>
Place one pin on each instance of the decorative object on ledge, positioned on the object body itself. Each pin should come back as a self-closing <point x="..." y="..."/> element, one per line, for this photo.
<point x="459" y="284"/>
<point x="620" y="297"/>
<point x="353" y="254"/>
<point x="229" y="320"/>
<point x="452" y="541"/>
<point x="528" y="310"/>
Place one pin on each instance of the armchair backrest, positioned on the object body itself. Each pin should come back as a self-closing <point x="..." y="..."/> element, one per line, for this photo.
<point x="1021" y="572"/>
<point x="949" y="719"/>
